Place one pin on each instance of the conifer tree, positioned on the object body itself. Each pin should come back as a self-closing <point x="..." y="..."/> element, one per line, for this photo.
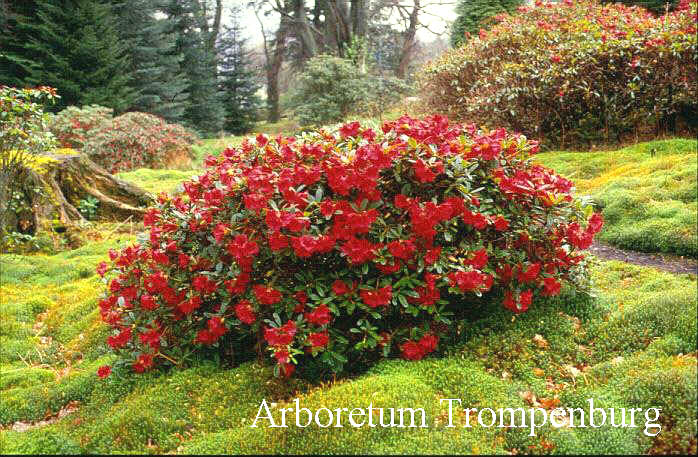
<point x="204" y="109"/>
<point x="473" y="15"/>
<point x="158" y="81"/>
<point x="76" y="49"/>
<point x="238" y="82"/>
<point x="16" y="19"/>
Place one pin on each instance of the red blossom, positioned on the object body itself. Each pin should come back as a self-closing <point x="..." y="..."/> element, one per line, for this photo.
<point x="377" y="297"/>
<point x="104" y="371"/>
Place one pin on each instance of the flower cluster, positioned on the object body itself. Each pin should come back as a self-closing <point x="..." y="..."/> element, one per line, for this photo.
<point x="577" y="72"/>
<point x="343" y="247"/>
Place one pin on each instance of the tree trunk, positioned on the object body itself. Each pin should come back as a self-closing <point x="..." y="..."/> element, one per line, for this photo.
<point x="273" y="71"/>
<point x="66" y="181"/>
<point x="409" y="42"/>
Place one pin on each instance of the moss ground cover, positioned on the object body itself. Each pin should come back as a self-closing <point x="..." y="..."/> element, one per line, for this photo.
<point x="647" y="193"/>
<point x="622" y="348"/>
<point x="633" y="345"/>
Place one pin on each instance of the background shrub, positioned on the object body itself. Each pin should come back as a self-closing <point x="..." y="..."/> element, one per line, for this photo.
<point x="74" y="125"/>
<point x="574" y="73"/>
<point x="332" y="88"/>
<point x="137" y="140"/>
<point x="336" y="249"/>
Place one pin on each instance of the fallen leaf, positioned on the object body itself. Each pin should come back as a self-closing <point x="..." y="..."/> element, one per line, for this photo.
<point x="540" y="341"/>
<point x="538" y="372"/>
<point x="572" y="370"/>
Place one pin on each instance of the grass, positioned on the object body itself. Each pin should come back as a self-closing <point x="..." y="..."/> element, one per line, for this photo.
<point x="629" y="349"/>
<point x="647" y="193"/>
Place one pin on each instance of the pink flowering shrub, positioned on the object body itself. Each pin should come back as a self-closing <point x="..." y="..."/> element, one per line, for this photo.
<point x="574" y="72"/>
<point x="341" y="248"/>
<point x="139" y="140"/>
<point x="73" y="126"/>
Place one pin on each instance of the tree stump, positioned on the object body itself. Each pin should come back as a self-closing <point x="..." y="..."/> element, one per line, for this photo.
<point x="63" y="181"/>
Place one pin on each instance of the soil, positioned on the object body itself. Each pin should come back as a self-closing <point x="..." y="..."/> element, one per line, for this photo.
<point x="666" y="262"/>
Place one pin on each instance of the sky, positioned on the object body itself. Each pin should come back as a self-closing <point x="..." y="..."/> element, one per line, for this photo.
<point x="437" y="19"/>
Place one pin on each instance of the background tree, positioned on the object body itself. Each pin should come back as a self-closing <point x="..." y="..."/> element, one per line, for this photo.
<point x="16" y="19"/>
<point x="196" y="26"/>
<point x="238" y="81"/>
<point x="474" y="14"/>
<point x="158" y="81"/>
<point x="656" y="6"/>
<point x="75" y="47"/>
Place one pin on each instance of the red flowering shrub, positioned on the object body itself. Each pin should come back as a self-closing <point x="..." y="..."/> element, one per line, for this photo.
<point x="74" y="125"/>
<point x="342" y="247"/>
<point x="574" y="73"/>
<point x="136" y="140"/>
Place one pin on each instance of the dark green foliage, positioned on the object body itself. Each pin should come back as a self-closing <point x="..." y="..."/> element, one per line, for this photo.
<point x="476" y="14"/>
<point x="237" y="81"/>
<point x="15" y="21"/>
<point x="656" y="6"/>
<point x="204" y="108"/>
<point x="159" y="84"/>
<point x="331" y="88"/>
<point x="75" y="48"/>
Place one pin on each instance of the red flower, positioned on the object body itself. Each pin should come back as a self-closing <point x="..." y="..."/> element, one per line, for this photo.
<point x="339" y="287"/>
<point x="402" y="249"/>
<point x="304" y="246"/>
<point x="150" y="338"/>
<point x="287" y="369"/>
<point x="424" y="173"/>
<point x="319" y="316"/>
<point x="301" y="296"/>
<point x="318" y="339"/>
<point x="477" y="220"/>
<point x="280" y="336"/>
<point x="525" y="299"/>
<point x="530" y="274"/>
<point x="468" y="281"/>
<point x="245" y="312"/>
<point x="148" y="302"/>
<point x="377" y="297"/>
<point x="551" y="287"/>
<point x="479" y="260"/>
<point x="358" y="250"/>
<point x="104" y="371"/>
<point x="411" y="350"/>
<point x="432" y="255"/>
<point x="102" y="268"/>
<point x="428" y="343"/>
<point x="595" y="223"/>
<point x="350" y="129"/>
<point x="266" y="295"/>
<point x="501" y="224"/>
<point x="277" y="241"/>
<point x="144" y="362"/>
<point x="121" y="339"/>
<point x="190" y="305"/>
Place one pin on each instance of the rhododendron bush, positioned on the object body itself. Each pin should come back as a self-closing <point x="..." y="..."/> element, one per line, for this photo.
<point x="335" y="249"/>
<point x="136" y="140"/>
<point x="574" y="73"/>
<point x="74" y="125"/>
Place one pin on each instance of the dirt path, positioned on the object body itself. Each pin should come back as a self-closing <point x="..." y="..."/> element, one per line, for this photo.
<point x="666" y="262"/>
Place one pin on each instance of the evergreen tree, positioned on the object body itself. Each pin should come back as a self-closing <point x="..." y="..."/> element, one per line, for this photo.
<point x="473" y="15"/>
<point x="158" y="81"/>
<point x="204" y="108"/>
<point x="76" y="49"/>
<point x="238" y="83"/>
<point x="16" y="19"/>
